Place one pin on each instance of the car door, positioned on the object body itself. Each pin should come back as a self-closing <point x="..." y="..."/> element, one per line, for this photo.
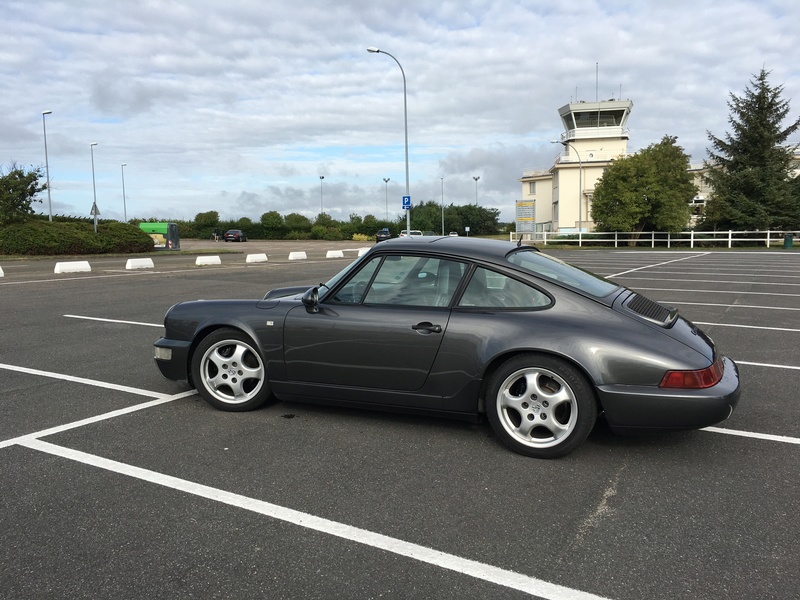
<point x="381" y="329"/>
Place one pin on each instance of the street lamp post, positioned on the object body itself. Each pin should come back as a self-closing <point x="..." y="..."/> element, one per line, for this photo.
<point x="47" y="164"/>
<point x="374" y="50"/>
<point x="94" y="188"/>
<point x="386" y="185"/>
<point x="580" y="183"/>
<point x="321" y="209"/>
<point x="442" y="178"/>
<point x="124" y="206"/>
<point x="476" y="177"/>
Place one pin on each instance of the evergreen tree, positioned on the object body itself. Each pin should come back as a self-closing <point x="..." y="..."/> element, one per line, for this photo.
<point x="749" y="169"/>
<point x="646" y="191"/>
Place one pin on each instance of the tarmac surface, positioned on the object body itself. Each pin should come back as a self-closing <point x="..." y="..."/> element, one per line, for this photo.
<point x="116" y="483"/>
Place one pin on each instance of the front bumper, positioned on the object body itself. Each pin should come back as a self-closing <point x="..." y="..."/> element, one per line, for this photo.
<point x="641" y="409"/>
<point x="172" y="358"/>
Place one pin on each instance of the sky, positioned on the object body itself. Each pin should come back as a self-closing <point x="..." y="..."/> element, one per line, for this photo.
<point x="240" y="106"/>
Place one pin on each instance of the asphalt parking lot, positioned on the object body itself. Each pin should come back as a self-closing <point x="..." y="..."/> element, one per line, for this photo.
<point x="116" y="483"/>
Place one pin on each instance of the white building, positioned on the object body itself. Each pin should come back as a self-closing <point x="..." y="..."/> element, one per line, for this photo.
<point x="560" y="198"/>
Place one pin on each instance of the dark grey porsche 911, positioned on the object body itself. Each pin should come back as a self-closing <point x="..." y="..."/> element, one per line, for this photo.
<point x="459" y="327"/>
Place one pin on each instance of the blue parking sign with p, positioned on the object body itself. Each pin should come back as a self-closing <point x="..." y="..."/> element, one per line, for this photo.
<point x="406" y="202"/>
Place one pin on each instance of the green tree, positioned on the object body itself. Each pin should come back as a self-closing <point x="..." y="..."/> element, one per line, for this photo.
<point x="649" y="190"/>
<point x="480" y="220"/>
<point x="18" y="190"/>
<point x="370" y="225"/>
<point x="749" y="169"/>
<point x="273" y="224"/>
<point x="297" y="222"/>
<point x="207" y="219"/>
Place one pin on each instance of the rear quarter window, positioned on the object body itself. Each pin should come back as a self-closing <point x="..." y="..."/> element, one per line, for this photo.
<point x="489" y="289"/>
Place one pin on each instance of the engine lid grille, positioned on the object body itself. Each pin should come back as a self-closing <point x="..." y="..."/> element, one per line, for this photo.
<point x="651" y="310"/>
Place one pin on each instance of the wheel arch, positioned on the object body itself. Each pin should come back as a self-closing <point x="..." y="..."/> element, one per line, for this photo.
<point x="498" y="360"/>
<point x="203" y="332"/>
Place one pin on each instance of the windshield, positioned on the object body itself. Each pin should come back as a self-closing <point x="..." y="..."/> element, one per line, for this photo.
<point x="559" y="271"/>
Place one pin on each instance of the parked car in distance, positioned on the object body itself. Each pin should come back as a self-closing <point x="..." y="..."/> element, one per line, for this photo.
<point x="414" y="232"/>
<point x="235" y="235"/>
<point x="459" y="327"/>
<point x="453" y="234"/>
<point x="382" y="235"/>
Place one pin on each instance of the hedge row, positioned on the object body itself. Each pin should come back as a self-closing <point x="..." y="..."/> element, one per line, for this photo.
<point x="43" y="238"/>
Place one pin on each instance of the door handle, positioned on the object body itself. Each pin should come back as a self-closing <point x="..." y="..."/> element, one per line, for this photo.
<point x="427" y="327"/>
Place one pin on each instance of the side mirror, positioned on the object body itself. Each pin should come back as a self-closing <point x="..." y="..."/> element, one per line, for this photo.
<point x="311" y="300"/>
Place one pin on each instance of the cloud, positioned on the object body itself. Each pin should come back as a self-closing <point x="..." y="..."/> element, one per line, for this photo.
<point x="235" y="107"/>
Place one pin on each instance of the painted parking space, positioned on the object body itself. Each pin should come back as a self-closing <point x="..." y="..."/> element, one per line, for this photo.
<point x="196" y="498"/>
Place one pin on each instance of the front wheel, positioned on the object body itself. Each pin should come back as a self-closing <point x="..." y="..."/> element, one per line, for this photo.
<point x="228" y="371"/>
<point x="540" y="406"/>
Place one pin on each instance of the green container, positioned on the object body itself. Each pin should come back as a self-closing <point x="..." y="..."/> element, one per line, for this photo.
<point x="788" y="240"/>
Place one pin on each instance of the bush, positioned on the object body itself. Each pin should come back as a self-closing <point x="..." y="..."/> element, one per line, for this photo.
<point x="298" y="235"/>
<point x="43" y="238"/>
<point x="360" y="237"/>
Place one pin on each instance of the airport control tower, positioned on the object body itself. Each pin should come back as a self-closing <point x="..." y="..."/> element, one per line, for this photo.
<point x="595" y="133"/>
<point x="559" y="199"/>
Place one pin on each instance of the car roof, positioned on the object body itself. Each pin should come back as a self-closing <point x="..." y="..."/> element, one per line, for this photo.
<point x="466" y="247"/>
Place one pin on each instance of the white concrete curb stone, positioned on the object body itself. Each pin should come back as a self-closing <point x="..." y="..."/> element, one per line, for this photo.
<point x="139" y="263"/>
<point x="1" y="272"/>
<point x="254" y="258"/>
<point x="208" y="260"/>
<point x="362" y="251"/>
<point x="297" y="256"/>
<point x="75" y="266"/>
<point x="334" y="254"/>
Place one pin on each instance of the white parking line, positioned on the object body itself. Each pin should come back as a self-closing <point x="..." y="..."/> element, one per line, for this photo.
<point x="706" y="281"/>
<point x="696" y="291"/>
<point x="94" y="382"/>
<point x="728" y="305"/>
<point x="451" y="562"/>
<point x="658" y="264"/>
<point x="768" y="365"/>
<point x="114" y="321"/>
<point x="747" y="326"/>
<point x="759" y="436"/>
<point x="95" y="419"/>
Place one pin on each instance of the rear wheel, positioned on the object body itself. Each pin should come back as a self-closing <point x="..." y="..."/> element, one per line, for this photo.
<point x="228" y="371"/>
<point x="540" y="406"/>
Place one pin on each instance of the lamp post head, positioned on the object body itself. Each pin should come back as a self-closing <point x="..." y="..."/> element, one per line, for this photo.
<point x="93" y="144"/>
<point x="124" y="164"/>
<point x="373" y="49"/>
<point x="386" y="179"/>
<point x="322" y="177"/>
<point x="476" y="178"/>
<point x="47" y="112"/>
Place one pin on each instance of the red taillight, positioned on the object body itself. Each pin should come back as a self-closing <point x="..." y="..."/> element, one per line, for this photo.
<point x="694" y="380"/>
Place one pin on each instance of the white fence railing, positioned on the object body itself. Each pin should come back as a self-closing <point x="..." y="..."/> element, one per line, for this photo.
<point x="660" y="238"/>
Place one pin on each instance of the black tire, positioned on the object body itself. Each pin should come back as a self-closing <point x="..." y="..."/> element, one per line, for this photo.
<point x="229" y="372"/>
<point x="540" y="406"/>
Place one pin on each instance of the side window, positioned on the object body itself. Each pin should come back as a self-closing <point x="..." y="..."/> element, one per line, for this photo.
<point x="415" y="281"/>
<point x="488" y="289"/>
<point x="353" y="291"/>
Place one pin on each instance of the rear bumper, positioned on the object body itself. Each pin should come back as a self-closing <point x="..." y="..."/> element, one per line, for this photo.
<point x="172" y="358"/>
<point x="641" y="409"/>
